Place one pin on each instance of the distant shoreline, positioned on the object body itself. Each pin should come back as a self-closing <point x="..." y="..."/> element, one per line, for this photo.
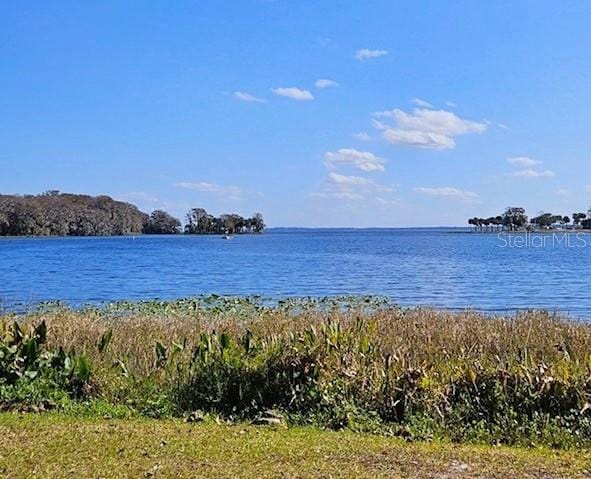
<point x="584" y="231"/>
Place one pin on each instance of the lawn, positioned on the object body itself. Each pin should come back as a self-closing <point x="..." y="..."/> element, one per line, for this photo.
<point x="57" y="445"/>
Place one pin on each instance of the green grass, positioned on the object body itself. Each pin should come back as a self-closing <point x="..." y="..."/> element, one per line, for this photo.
<point x="58" y="445"/>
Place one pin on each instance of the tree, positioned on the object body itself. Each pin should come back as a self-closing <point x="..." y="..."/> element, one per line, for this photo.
<point x="515" y="218"/>
<point x="200" y="222"/>
<point x="578" y="218"/>
<point x="195" y="223"/>
<point x="544" y="220"/>
<point x="160" y="222"/>
<point x="63" y="214"/>
<point x="258" y="224"/>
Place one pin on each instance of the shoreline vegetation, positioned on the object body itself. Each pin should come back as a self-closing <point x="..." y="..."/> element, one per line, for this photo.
<point x="515" y="219"/>
<point x="359" y="364"/>
<point x="63" y="214"/>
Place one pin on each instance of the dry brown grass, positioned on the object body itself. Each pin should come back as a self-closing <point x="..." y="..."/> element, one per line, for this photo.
<point x="418" y="336"/>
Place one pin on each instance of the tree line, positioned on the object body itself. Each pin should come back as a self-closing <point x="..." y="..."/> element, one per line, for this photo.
<point x="200" y="221"/>
<point x="515" y="219"/>
<point x="64" y="214"/>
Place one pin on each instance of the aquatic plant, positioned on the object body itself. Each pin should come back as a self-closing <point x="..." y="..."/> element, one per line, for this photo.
<point x="30" y="373"/>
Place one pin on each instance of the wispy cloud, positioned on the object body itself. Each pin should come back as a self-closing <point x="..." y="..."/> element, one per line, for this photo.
<point x="230" y="192"/>
<point x="366" y="54"/>
<point x="348" y="180"/>
<point x="362" y="136"/>
<point x="325" y="83"/>
<point x="562" y="192"/>
<point x="424" y="128"/>
<point x="531" y="173"/>
<point x="388" y="202"/>
<point x="448" y="192"/>
<point x="293" y="93"/>
<point x="337" y="195"/>
<point x="362" y="160"/>
<point x="243" y="96"/>
<point x="350" y="187"/>
<point x="528" y="171"/>
<point x="523" y="161"/>
<point x="422" y="103"/>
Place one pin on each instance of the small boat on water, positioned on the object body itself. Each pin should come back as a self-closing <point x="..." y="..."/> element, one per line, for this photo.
<point x="228" y="237"/>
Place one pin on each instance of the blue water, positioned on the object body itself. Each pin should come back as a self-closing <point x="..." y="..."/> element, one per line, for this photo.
<point x="414" y="267"/>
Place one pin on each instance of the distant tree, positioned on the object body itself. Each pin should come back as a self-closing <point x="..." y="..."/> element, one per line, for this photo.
<point x="63" y="214"/>
<point x="515" y="218"/>
<point x="544" y="220"/>
<point x="578" y="218"/>
<point x="160" y="222"/>
<point x="258" y="223"/>
<point x="200" y="222"/>
<point x="195" y="221"/>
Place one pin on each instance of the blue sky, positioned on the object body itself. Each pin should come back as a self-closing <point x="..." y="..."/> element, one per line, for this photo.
<point x="428" y="112"/>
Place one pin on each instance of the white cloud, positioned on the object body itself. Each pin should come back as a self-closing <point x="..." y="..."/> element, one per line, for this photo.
<point x="231" y="192"/>
<point x="422" y="103"/>
<point x="448" y="192"/>
<point x="360" y="183"/>
<point x="243" y="96"/>
<point x="337" y="195"/>
<point x="450" y="104"/>
<point x="365" y="54"/>
<point x="523" y="161"/>
<point x="387" y="202"/>
<point x="293" y="93"/>
<point x="502" y="125"/>
<point x="347" y="180"/>
<point x="434" y="121"/>
<point x="528" y="171"/>
<point x="362" y="136"/>
<point x="419" y="139"/>
<point x="531" y="173"/>
<point x="325" y="83"/>
<point x="362" y="160"/>
<point x="425" y="128"/>
<point x="350" y="187"/>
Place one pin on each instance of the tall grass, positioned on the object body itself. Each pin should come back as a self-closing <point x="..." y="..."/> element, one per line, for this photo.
<point x="414" y="372"/>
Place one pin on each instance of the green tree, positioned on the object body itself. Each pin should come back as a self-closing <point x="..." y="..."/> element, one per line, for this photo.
<point x="515" y="218"/>
<point x="160" y="222"/>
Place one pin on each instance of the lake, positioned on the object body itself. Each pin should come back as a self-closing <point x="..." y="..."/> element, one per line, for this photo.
<point x="435" y="267"/>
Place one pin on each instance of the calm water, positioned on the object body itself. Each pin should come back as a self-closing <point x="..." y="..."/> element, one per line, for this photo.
<point x="413" y="267"/>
